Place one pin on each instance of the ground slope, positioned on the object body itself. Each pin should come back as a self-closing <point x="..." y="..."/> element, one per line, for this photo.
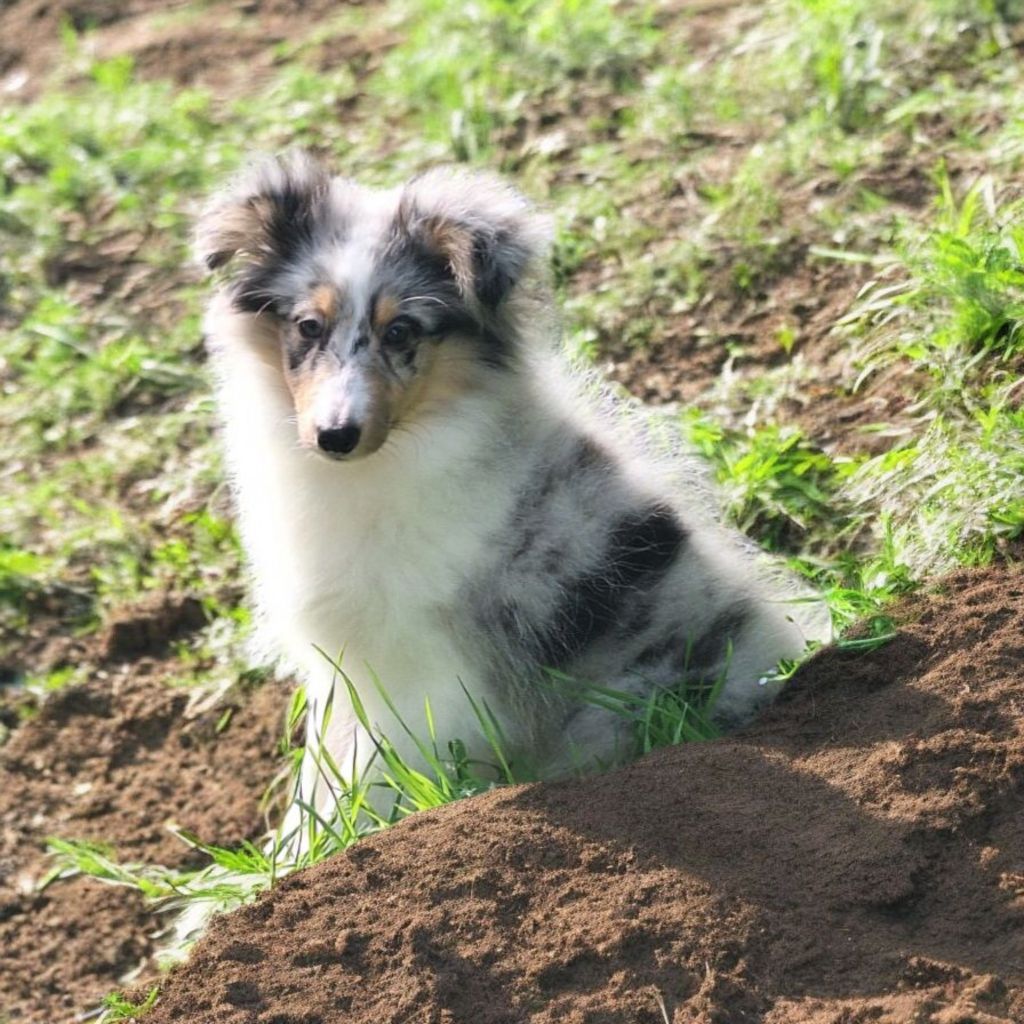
<point x="116" y="761"/>
<point x="857" y="856"/>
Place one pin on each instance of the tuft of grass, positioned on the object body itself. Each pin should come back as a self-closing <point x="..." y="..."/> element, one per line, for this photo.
<point x="99" y="861"/>
<point x="777" y="486"/>
<point x="949" y="309"/>
<point x="118" y="1007"/>
<point x="662" y="716"/>
<point x="951" y="300"/>
<point x="952" y="495"/>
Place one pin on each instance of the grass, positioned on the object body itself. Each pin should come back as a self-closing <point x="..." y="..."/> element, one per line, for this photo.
<point x="117" y="1007"/>
<point x="708" y="189"/>
<point x="139" y="153"/>
<point x="951" y="313"/>
<point x="466" y="97"/>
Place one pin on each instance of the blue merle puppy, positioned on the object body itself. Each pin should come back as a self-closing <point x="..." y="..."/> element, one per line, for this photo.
<point x="427" y="493"/>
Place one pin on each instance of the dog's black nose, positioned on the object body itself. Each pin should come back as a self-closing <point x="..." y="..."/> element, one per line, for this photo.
<point x="339" y="440"/>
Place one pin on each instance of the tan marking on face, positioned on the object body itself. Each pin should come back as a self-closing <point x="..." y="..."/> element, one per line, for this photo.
<point x="304" y="383"/>
<point x="325" y="301"/>
<point x="446" y="372"/>
<point x="307" y="385"/>
<point x="384" y="311"/>
<point x="376" y="427"/>
<point x="456" y="245"/>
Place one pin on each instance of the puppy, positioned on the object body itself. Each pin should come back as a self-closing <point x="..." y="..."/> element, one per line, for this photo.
<point x="428" y="496"/>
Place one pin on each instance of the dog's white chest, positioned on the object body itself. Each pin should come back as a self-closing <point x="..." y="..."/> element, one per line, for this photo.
<point x="368" y="563"/>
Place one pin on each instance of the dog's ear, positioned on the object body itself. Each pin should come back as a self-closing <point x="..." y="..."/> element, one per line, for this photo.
<point x="264" y="216"/>
<point x="487" y="233"/>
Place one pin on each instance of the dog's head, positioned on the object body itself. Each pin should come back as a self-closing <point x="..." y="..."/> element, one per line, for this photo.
<point x="387" y="304"/>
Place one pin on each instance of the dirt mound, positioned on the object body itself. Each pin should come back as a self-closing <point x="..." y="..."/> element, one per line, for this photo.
<point x="858" y="856"/>
<point x="115" y="761"/>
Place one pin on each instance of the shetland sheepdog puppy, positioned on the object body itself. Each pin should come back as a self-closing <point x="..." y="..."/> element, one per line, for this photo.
<point x="428" y="497"/>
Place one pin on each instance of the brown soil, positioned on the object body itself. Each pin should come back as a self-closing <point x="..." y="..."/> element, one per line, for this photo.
<point x="116" y="760"/>
<point x="224" y="44"/>
<point x="858" y="856"/>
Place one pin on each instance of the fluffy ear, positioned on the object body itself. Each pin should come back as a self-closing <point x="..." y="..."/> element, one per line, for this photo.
<point x="487" y="232"/>
<point x="263" y="218"/>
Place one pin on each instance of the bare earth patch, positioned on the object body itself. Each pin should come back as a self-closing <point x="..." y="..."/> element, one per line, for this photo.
<point x="856" y="857"/>
<point x="229" y="46"/>
<point x="116" y="761"/>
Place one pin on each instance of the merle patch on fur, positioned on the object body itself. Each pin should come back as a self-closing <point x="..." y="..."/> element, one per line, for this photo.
<point x="498" y="263"/>
<point x="270" y="227"/>
<point x="289" y="223"/>
<point x="299" y="349"/>
<point x="641" y="549"/>
<point x="707" y="652"/>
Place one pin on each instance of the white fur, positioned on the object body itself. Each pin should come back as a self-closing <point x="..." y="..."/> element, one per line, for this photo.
<point x="357" y="560"/>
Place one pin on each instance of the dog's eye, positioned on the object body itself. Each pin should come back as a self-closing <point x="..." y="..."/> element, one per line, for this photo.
<point x="398" y="333"/>
<point x="311" y="328"/>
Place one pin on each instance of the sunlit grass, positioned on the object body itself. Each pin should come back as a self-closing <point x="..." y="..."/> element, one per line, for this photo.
<point x="117" y="1007"/>
<point x="490" y="58"/>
